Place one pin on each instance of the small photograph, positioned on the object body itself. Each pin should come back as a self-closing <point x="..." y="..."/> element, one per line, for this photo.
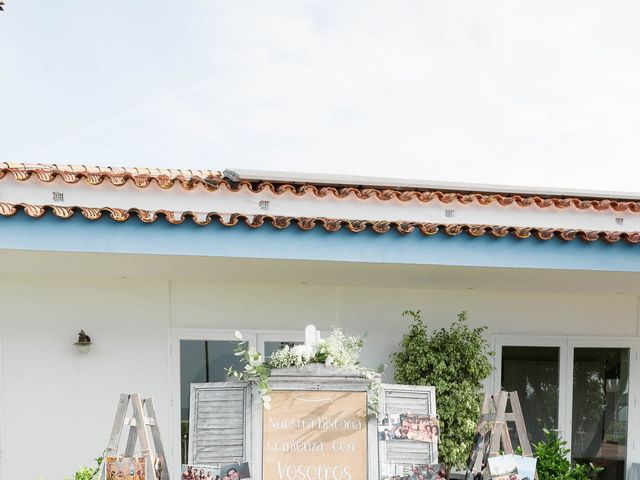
<point x="503" y="467"/>
<point x="200" y="472"/>
<point x="526" y="466"/>
<point x="419" y="428"/>
<point x="393" y="419"/>
<point x="158" y="466"/>
<point x="124" y="468"/>
<point x="387" y="426"/>
<point x="420" y="472"/>
<point x="434" y="471"/>
<point x="478" y="446"/>
<point x="235" y="471"/>
<point x="384" y="433"/>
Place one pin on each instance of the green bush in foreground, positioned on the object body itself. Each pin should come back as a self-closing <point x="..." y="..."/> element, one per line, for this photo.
<point x="87" y="473"/>
<point x="554" y="464"/>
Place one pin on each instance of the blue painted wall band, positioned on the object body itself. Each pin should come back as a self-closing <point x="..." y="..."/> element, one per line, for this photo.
<point x="78" y="234"/>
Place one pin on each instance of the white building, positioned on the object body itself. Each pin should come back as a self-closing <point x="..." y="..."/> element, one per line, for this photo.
<point x="160" y="267"/>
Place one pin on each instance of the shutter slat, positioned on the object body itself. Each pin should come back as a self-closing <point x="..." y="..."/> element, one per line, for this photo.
<point x="219" y="396"/>
<point x="410" y="399"/>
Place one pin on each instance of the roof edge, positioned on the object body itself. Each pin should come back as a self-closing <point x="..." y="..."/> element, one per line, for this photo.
<point x="323" y="184"/>
<point x="327" y="179"/>
<point x="327" y="224"/>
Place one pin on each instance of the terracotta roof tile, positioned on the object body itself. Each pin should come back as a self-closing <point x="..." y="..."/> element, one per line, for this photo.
<point x="118" y="176"/>
<point x="328" y="224"/>
<point x="212" y="180"/>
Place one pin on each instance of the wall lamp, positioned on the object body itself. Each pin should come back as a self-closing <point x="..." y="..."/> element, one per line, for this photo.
<point x="83" y="345"/>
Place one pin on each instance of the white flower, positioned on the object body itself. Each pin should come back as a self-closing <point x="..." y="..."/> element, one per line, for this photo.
<point x="304" y="352"/>
<point x="238" y="335"/>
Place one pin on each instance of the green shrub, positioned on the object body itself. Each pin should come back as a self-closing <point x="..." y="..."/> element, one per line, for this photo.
<point x="454" y="361"/>
<point x="554" y="464"/>
<point x="87" y="473"/>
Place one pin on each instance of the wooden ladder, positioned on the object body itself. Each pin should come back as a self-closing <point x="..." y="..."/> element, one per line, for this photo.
<point x="151" y="449"/>
<point x="492" y="434"/>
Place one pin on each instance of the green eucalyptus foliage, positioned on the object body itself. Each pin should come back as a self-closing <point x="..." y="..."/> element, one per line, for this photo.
<point x="553" y="461"/>
<point x="454" y="361"/>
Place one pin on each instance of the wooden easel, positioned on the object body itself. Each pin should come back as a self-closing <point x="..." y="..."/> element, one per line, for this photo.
<point x="138" y="423"/>
<point x="492" y="434"/>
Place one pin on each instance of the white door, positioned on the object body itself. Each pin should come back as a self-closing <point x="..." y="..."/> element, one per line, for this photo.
<point x="602" y="405"/>
<point x="585" y="389"/>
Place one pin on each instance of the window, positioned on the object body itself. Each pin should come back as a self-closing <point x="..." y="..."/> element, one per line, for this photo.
<point x="202" y="356"/>
<point x="600" y="409"/>
<point x="582" y="388"/>
<point x="533" y="372"/>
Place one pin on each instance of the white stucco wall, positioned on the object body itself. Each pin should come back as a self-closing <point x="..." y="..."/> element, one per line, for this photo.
<point x="57" y="405"/>
<point x="378" y="311"/>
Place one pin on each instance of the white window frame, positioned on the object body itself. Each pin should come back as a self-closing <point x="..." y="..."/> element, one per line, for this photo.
<point x="565" y="394"/>
<point x="633" y="436"/>
<point x="255" y="339"/>
<point x="536" y="341"/>
<point x="277" y="336"/>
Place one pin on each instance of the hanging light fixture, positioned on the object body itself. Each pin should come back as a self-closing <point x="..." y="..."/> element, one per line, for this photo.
<point x="83" y="345"/>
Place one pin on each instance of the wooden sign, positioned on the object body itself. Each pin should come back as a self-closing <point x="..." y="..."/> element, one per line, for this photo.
<point x="310" y="435"/>
<point x="228" y="427"/>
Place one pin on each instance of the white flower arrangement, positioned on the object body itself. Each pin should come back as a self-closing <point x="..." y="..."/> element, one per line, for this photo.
<point x="298" y="355"/>
<point x="337" y="350"/>
<point x="340" y="350"/>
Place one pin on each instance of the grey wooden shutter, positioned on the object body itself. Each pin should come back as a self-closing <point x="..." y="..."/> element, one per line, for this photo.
<point x="408" y="399"/>
<point x="219" y="423"/>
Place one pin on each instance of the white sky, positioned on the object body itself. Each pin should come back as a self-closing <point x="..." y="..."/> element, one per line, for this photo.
<point x="540" y="93"/>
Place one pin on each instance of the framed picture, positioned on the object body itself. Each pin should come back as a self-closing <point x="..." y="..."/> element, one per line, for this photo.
<point x="125" y="468"/>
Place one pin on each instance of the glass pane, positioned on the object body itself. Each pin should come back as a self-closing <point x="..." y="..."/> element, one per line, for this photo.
<point x="270" y="347"/>
<point x="600" y="409"/>
<point x="533" y="372"/>
<point x="200" y="362"/>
